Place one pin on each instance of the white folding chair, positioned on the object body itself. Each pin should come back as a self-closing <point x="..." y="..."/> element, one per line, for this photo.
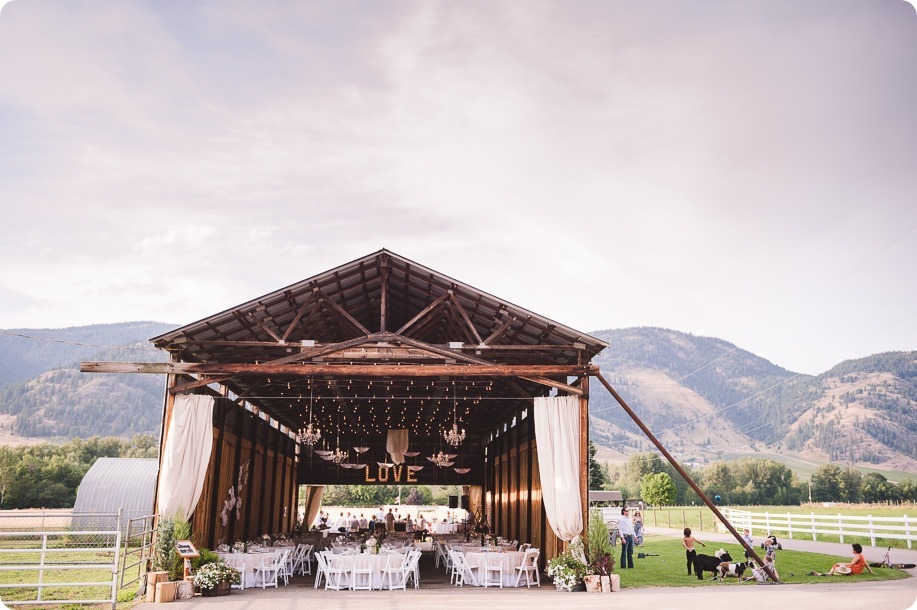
<point x="361" y="575"/>
<point x="286" y="566"/>
<point x="321" y="568"/>
<point x="439" y="555"/>
<point x="524" y="547"/>
<point x="269" y="572"/>
<point x="334" y="572"/>
<point x="297" y="557"/>
<point x="493" y="565"/>
<point x="413" y="571"/>
<point x="393" y="574"/>
<point x="461" y="571"/>
<point x="307" y="560"/>
<point x="529" y="566"/>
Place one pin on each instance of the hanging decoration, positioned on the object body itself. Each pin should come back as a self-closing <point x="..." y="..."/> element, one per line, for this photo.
<point x="309" y="435"/>
<point x="454" y="436"/>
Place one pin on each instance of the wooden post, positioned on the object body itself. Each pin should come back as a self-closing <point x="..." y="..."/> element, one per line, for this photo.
<point x="584" y="449"/>
<point x="686" y="477"/>
<point x="168" y="406"/>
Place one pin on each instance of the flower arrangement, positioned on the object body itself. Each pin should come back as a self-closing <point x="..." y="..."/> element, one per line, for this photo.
<point x="240" y="546"/>
<point x="267" y="540"/>
<point x="372" y="545"/>
<point x="567" y="571"/>
<point x="212" y="574"/>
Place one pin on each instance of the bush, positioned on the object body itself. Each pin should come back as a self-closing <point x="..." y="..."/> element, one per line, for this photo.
<point x="207" y="556"/>
<point x="213" y="574"/>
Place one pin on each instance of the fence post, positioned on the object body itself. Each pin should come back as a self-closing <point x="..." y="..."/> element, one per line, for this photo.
<point x="684" y="522"/>
<point x="812" y="516"/>
<point x="700" y="520"/>
<point x="767" y="522"/>
<point x="872" y="535"/>
<point x="907" y="531"/>
<point x="840" y="527"/>
<point x="116" y="560"/>
<point x="41" y="567"/>
<point x="789" y="525"/>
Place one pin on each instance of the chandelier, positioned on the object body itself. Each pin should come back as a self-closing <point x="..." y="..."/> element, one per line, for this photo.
<point x="443" y="460"/>
<point x="338" y="456"/>
<point x="309" y="435"/>
<point x="454" y="436"/>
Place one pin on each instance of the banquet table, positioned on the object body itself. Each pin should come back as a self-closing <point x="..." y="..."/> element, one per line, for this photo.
<point x="510" y="560"/>
<point x="444" y="528"/>
<point x="247" y="562"/>
<point x="377" y="563"/>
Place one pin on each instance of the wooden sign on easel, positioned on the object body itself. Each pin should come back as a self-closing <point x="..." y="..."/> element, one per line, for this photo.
<point x="187" y="551"/>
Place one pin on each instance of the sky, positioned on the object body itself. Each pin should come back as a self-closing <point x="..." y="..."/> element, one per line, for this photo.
<point x="741" y="170"/>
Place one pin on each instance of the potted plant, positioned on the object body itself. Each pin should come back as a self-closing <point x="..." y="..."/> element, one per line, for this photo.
<point x="216" y="579"/>
<point x="600" y="556"/>
<point x="567" y="570"/>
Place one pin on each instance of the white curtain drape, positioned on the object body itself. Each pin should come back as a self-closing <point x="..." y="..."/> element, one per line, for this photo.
<point x="396" y="443"/>
<point x="313" y="503"/>
<point x="557" y="435"/>
<point x="186" y="456"/>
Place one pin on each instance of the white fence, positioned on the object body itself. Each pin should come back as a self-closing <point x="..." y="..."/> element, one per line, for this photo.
<point x="892" y="528"/>
<point x="54" y="553"/>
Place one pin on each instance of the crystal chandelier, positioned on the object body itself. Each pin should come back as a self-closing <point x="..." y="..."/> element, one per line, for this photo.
<point x="338" y="456"/>
<point x="454" y="436"/>
<point x="443" y="460"/>
<point x="309" y="435"/>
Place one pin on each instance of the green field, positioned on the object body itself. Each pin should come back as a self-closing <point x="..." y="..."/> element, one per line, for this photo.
<point x="701" y="519"/>
<point x="668" y="568"/>
<point x="804" y="468"/>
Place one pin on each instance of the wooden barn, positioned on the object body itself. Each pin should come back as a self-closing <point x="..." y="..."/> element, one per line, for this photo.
<point x="383" y="357"/>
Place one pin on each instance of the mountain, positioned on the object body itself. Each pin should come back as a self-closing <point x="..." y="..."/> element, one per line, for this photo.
<point x="706" y="398"/>
<point x="44" y="396"/>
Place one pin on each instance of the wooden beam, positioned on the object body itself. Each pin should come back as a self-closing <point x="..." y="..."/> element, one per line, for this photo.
<point x="383" y="301"/>
<point x="296" y="318"/>
<point x="340" y="311"/>
<point x="424" y="312"/>
<point x="497" y="334"/>
<point x="465" y="317"/>
<point x="355" y="370"/>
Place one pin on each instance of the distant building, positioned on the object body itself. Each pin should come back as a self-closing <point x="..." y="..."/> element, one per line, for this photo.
<point x="113" y="483"/>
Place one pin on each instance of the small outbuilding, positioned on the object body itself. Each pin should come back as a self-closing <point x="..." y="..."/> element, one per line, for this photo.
<point x="112" y="484"/>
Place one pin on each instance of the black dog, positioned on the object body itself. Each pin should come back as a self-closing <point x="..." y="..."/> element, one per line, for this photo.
<point x="707" y="563"/>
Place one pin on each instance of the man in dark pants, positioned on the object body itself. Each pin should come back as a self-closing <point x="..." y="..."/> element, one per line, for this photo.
<point x="626" y="532"/>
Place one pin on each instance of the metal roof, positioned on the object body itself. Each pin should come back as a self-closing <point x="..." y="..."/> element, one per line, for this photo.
<point x="113" y="483"/>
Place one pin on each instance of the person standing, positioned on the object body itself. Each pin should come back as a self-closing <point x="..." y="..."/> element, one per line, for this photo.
<point x="389" y="521"/>
<point x="626" y="532"/>
<point x="688" y="542"/>
<point x="638" y="529"/>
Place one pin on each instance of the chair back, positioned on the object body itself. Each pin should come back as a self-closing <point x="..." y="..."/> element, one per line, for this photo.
<point x="531" y="557"/>
<point x="525" y="547"/>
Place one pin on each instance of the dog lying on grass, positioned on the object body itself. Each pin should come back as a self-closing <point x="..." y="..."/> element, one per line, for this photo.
<point x="706" y="563"/>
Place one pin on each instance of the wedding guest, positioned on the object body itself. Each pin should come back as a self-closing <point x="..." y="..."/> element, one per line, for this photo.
<point x="364" y="524"/>
<point x="389" y="521"/>
<point x="626" y="532"/>
<point x="408" y="524"/>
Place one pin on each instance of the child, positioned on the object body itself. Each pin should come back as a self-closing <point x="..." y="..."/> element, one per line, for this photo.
<point x="688" y="542"/>
<point x="760" y="575"/>
<point x="746" y="536"/>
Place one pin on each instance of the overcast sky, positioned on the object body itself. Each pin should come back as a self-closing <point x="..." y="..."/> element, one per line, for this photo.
<point x="742" y="170"/>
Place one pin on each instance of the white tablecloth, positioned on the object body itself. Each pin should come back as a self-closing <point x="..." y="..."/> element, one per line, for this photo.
<point x="376" y="563"/>
<point x="444" y="528"/>
<point x="247" y="562"/>
<point x="510" y="561"/>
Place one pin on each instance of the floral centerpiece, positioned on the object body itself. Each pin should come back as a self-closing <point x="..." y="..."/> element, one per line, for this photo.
<point x="267" y="540"/>
<point x="240" y="546"/>
<point x="216" y="579"/>
<point x="372" y="545"/>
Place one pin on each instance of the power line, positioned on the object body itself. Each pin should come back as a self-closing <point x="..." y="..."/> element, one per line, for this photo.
<point x="51" y="340"/>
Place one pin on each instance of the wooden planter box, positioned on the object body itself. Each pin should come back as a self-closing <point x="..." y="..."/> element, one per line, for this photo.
<point x="221" y="589"/>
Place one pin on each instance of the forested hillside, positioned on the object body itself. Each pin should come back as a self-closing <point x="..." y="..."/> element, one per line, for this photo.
<point x="706" y="397"/>
<point x="45" y="395"/>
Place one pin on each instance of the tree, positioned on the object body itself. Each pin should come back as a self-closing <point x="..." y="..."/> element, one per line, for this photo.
<point x="658" y="489"/>
<point x="597" y="475"/>
<point x="7" y="471"/>
<point x="851" y="485"/>
<point x="876" y="488"/>
<point x="826" y="483"/>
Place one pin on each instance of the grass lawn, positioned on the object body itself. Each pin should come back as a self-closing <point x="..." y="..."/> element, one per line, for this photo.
<point x="700" y="519"/>
<point x="668" y="568"/>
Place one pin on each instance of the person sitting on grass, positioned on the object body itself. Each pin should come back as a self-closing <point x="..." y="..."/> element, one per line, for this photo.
<point x="856" y="566"/>
<point x="760" y="574"/>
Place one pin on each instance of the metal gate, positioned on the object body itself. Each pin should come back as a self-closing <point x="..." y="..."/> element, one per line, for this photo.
<point x="138" y="549"/>
<point x="46" y="560"/>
